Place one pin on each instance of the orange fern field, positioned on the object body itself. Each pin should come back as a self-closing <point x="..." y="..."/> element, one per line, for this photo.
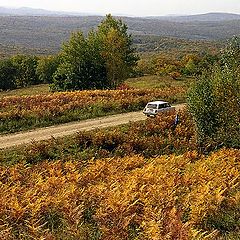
<point x="150" y="138"/>
<point x="17" y="113"/>
<point x="60" y="102"/>
<point x="168" y="197"/>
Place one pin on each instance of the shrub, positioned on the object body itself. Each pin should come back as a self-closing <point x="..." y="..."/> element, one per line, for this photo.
<point x="214" y="102"/>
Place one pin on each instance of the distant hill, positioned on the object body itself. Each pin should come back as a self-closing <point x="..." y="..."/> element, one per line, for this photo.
<point x="25" y="11"/>
<point x="45" y="33"/>
<point x="208" y="17"/>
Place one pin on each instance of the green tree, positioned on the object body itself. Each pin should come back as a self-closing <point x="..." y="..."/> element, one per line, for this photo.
<point x="214" y="102"/>
<point x="7" y="75"/>
<point x="231" y="54"/>
<point x="46" y="68"/>
<point x="206" y="63"/>
<point x="117" y="50"/>
<point x="103" y="59"/>
<point x="190" y="62"/>
<point x="81" y="65"/>
<point x="166" y="65"/>
<point x="145" y="66"/>
<point x="26" y="70"/>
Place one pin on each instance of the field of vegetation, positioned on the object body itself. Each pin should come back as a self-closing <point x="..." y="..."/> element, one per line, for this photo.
<point x="148" y="180"/>
<point x="26" y="112"/>
<point x="149" y="138"/>
<point x="143" y="82"/>
<point x="143" y="180"/>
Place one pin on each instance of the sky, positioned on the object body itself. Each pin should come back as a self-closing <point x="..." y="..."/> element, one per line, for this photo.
<point x="131" y="7"/>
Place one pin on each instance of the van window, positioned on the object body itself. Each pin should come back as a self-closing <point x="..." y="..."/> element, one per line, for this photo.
<point x="153" y="106"/>
<point x="161" y="106"/>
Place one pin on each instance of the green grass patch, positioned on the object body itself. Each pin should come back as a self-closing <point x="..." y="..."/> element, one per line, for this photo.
<point x="154" y="81"/>
<point x="149" y="81"/>
<point x="31" y="90"/>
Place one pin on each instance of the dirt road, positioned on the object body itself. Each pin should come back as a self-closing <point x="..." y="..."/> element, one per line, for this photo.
<point x="71" y="128"/>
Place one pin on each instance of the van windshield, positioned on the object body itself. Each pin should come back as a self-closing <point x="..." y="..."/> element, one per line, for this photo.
<point x="153" y="106"/>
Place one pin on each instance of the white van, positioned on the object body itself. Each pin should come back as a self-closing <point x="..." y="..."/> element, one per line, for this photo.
<point x="153" y="108"/>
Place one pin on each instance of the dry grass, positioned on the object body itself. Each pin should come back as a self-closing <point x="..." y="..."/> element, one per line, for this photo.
<point x="32" y="90"/>
<point x="154" y="81"/>
<point x="149" y="81"/>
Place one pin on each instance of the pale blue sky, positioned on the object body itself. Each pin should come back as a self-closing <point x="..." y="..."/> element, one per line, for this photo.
<point x="131" y="7"/>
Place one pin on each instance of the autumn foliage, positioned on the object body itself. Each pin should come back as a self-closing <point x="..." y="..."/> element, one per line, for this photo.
<point x="150" y="138"/>
<point x="122" y="183"/>
<point x="168" y="197"/>
<point x="41" y="110"/>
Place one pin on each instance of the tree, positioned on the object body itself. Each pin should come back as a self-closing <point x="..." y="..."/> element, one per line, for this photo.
<point x="26" y="70"/>
<point x="117" y="50"/>
<point x="214" y="101"/>
<point x="46" y="67"/>
<point x="206" y="62"/>
<point x="7" y="75"/>
<point x="145" y="66"/>
<point x="103" y="59"/>
<point x="81" y="65"/>
<point x="231" y="54"/>
<point x="190" y="62"/>
<point x="165" y="65"/>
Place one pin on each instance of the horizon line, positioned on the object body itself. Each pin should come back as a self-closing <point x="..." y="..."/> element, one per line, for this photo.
<point x="77" y="13"/>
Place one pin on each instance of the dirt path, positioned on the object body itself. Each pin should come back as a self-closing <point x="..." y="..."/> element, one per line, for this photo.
<point x="71" y="128"/>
